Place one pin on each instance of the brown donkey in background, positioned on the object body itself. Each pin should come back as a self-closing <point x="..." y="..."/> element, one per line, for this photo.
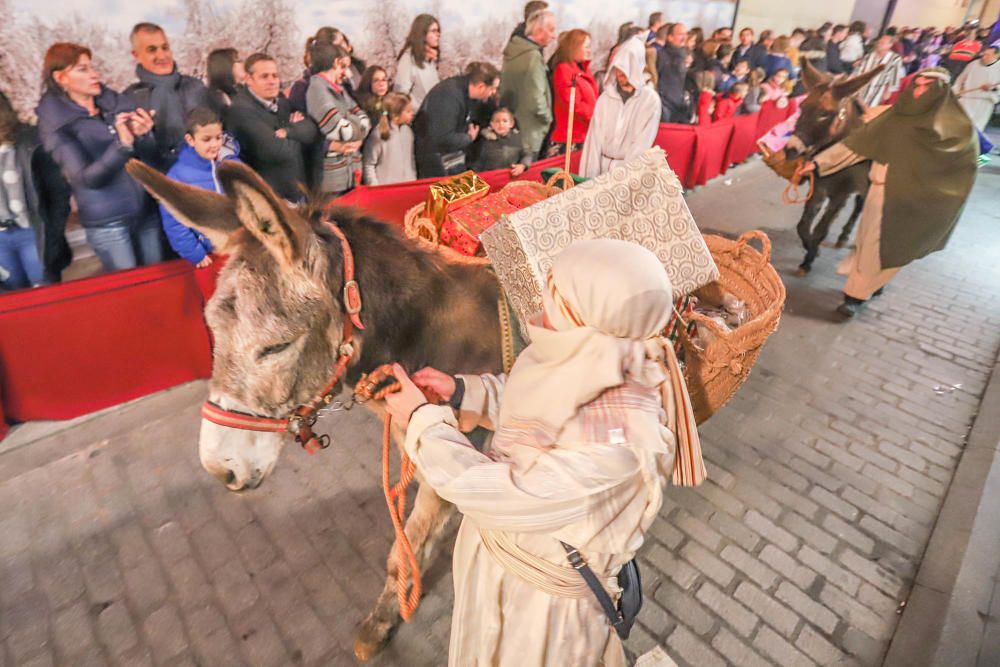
<point x="828" y="114"/>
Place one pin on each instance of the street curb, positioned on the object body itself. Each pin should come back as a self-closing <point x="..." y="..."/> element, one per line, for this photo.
<point x="948" y="607"/>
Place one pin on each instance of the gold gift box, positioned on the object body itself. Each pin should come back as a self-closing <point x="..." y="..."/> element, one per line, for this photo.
<point x="453" y="193"/>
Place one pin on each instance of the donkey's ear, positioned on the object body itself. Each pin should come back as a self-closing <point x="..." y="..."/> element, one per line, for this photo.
<point x="811" y="76"/>
<point x="263" y="213"/>
<point x="208" y="212"/>
<point x="843" y="89"/>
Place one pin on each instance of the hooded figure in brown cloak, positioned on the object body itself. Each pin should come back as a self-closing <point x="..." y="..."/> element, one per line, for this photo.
<point x="923" y="152"/>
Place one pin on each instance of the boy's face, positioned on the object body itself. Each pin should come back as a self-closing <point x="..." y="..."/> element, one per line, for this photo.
<point x="502" y="123"/>
<point x="780" y="78"/>
<point x="206" y="140"/>
<point x="340" y="68"/>
<point x="741" y="69"/>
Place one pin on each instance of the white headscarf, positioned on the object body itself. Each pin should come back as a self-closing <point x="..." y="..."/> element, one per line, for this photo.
<point x="607" y="300"/>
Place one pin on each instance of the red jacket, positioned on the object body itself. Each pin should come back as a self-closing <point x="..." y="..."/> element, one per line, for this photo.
<point x="705" y="100"/>
<point x="726" y="107"/>
<point x="583" y="107"/>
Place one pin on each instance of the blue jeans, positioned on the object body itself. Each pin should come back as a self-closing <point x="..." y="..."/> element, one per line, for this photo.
<point x="127" y="243"/>
<point x="21" y="266"/>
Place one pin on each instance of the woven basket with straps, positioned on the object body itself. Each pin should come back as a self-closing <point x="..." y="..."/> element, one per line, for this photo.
<point x="714" y="374"/>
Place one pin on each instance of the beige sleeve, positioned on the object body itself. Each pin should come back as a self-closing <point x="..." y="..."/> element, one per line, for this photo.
<point x="835" y="158"/>
<point x="481" y="403"/>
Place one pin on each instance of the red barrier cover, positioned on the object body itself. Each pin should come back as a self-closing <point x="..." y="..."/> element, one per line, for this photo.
<point x="710" y="151"/>
<point x="70" y="349"/>
<point x="679" y="142"/>
<point x="743" y="144"/>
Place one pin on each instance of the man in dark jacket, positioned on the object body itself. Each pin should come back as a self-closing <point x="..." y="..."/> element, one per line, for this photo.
<point x="449" y="119"/>
<point x="163" y="89"/>
<point x="757" y="55"/>
<point x="272" y="138"/>
<point x="742" y="50"/>
<point x="834" y="65"/>
<point x="671" y="72"/>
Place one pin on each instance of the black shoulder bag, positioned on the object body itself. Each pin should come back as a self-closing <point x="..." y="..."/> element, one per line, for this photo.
<point x="622" y="617"/>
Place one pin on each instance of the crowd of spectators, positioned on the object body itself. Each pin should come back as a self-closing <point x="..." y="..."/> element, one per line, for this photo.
<point x="344" y="122"/>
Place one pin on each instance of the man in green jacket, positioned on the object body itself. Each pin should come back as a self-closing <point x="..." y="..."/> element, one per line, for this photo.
<point x="524" y="83"/>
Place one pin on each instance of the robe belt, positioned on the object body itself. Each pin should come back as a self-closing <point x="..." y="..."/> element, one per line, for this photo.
<point x="558" y="580"/>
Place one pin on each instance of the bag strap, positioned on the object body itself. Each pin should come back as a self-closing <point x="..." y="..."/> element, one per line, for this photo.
<point x="614" y="615"/>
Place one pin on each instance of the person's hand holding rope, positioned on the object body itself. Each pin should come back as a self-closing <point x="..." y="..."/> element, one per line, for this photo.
<point x="805" y="169"/>
<point x="403" y="403"/>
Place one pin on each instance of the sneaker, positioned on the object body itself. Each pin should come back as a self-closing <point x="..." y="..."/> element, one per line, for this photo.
<point x="850" y="307"/>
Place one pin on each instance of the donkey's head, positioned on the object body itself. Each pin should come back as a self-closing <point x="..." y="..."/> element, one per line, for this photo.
<point x="275" y="321"/>
<point x="829" y="112"/>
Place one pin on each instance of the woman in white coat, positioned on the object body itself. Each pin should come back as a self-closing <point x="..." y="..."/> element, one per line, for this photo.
<point x="626" y="117"/>
<point x="586" y="430"/>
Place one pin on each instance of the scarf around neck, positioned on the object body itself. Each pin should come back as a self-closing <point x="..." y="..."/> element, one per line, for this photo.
<point x="166" y="100"/>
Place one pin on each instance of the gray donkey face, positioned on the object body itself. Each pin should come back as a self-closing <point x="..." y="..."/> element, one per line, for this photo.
<point x="276" y="327"/>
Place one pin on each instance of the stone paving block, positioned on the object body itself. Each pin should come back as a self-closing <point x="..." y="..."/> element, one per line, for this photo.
<point x="73" y="632"/>
<point x="735" y="530"/>
<point x="872" y="572"/>
<point x="115" y="629"/>
<point x="775" y="614"/>
<point x="831" y="571"/>
<point x="789" y="568"/>
<point x="770" y="643"/>
<point x="736" y="651"/>
<point x="813" y="611"/>
<point x="707" y="563"/>
<point x="699" y="530"/>
<point x="683" y="607"/>
<point x="848" y="533"/>
<point x="693" y="650"/>
<point x="853" y="612"/>
<point x="818" y="648"/>
<point x="732" y="612"/>
<point x="809" y="533"/>
<point x="833" y="503"/>
<point x="165" y="633"/>
<point x="779" y="536"/>
<point x="749" y="565"/>
<point x="666" y="563"/>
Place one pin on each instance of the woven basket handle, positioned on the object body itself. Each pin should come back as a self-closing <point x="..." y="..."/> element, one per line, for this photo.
<point x="561" y="176"/>
<point x="708" y="323"/>
<point x="765" y="246"/>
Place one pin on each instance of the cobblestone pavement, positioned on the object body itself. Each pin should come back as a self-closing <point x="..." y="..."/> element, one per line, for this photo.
<point x="826" y="475"/>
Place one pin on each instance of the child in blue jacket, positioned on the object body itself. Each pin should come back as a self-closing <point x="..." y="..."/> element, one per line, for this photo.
<point x="206" y="147"/>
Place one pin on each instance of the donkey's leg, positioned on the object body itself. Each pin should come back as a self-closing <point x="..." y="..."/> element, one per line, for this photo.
<point x="845" y="233"/>
<point x="822" y="228"/>
<point x="423" y="528"/>
<point x="809" y="212"/>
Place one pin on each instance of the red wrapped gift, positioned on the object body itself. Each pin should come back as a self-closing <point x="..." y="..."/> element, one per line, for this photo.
<point x="461" y="229"/>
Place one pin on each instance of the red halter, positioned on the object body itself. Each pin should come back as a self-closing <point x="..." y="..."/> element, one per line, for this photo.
<point x="300" y="422"/>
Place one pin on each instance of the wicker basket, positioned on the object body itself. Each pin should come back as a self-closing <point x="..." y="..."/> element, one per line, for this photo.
<point x="714" y="374"/>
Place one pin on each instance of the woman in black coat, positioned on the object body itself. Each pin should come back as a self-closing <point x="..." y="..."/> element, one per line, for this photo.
<point x="91" y="132"/>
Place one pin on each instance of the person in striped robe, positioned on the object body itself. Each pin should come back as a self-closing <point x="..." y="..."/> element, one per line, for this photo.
<point x="889" y="80"/>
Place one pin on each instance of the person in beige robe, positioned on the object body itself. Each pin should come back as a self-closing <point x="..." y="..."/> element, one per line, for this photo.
<point x="923" y="151"/>
<point x="581" y="450"/>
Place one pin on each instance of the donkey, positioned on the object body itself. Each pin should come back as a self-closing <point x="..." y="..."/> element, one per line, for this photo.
<point x="828" y="114"/>
<point x="277" y="320"/>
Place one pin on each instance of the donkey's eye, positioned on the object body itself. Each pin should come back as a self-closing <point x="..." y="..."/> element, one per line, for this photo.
<point x="273" y="349"/>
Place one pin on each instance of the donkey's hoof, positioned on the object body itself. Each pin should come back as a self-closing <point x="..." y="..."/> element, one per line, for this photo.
<point x="366" y="650"/>
<point x="841" y="243"/>
<point x="370" y="642"/>
<point x="802" y="271"/>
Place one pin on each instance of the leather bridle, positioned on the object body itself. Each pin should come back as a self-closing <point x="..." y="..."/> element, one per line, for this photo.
<point x="301" y="420"/>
